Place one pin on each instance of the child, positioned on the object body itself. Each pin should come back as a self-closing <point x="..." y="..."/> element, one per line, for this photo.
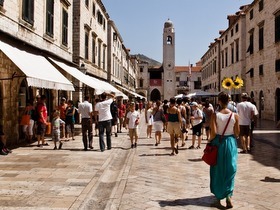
<point x="56" y="129"/>
<point x="132" y="119"/>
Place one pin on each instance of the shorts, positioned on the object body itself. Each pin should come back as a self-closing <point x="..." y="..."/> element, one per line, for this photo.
<point x="158" y="126"/>
<point x="197" y="129"/>
<point x="41" y="128"/>
<point x="56" y="137"/>
<point x="244" y="130"/>
<point x="173" y="128"/>
<point x="28" y="129"/>
<point x="70" y="128"/>
<point x="133" y="132"/>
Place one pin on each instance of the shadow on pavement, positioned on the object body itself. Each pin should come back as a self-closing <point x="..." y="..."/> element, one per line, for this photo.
<point x="147" y="155"/>
<point x="207" y="201"/>
<point x="266" y="152"/>
<point x="269" y="179"/>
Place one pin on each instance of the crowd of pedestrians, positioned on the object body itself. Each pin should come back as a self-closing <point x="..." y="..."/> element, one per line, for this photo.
<point x="224" y="124"/>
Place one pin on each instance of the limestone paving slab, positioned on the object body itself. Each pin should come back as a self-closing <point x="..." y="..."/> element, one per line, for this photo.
<point x="146" y="177"/>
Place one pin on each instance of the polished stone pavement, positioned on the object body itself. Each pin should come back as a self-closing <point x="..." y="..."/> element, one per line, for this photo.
<point x="146" y="177"/>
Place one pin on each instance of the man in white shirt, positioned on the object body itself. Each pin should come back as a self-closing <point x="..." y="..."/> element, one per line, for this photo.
<point x="104" y="119"/>
<point x="245" y="111"/>
<point x="85" y="109"/>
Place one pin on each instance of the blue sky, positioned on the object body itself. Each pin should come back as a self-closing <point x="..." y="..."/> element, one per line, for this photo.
<point x="196" y="22"/>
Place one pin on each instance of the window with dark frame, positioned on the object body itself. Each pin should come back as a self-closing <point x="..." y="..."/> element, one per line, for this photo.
<point x="28" y="11"/>
<point x="237" y="50"/>
<point x="261" y="70"/>
<point x="277" y="65"/>
<point x="277" y="27"/>
<point x="93" y="49"/>
<point x="141" y="69"/>
<point x="93" y="9"/>
<point x="141" y="82"/>
<point x="226" y="57"/>
<point x="261" y="39"/>
<point x="251" y="43"/>
<point x="86" y="44"/>
<point x="251" y="14"/>
<point x="236" y="28"/>
<point x="232" y="53"/>
<point x="64" y="27"/>
<point x="251" y="72"/>
<point x="260" y="5"/>
<point x="50" y="17"/>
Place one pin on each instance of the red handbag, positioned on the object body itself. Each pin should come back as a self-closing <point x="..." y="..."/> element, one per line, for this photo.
<point x="210" y="152"/>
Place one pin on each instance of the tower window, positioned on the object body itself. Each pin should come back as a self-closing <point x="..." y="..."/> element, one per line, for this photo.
<point x="169" y="40"/>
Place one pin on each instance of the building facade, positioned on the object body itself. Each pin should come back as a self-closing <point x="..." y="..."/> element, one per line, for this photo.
<point x="30" y="32"/>
<point x="57" y="48"/>
<point x="249" y="48"/>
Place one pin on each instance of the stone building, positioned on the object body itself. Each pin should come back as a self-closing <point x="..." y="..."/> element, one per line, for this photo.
<point x="30" y="32"/>
<point x="263" y="56"/>
<point x="249" y="48"/>
<point x="58" y="48"/>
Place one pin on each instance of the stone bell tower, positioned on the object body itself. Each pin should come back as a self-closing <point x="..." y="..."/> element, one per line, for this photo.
<point x="168" y="60"/>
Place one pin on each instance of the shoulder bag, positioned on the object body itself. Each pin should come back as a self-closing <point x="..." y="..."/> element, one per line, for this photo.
<point x="210" y="152"/>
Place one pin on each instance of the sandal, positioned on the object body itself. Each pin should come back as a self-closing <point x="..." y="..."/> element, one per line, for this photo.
<point x="176" y="149"/>
<point x="229" y="204"/>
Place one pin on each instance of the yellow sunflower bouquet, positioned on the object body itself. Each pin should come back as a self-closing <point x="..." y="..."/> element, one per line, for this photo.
<point x="228" y="83"/>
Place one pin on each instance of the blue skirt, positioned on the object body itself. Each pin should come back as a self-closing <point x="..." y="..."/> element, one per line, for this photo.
<point x="223" y="173"/>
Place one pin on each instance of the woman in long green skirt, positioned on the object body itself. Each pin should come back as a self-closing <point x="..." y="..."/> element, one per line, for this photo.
<point x="223" y="173"/>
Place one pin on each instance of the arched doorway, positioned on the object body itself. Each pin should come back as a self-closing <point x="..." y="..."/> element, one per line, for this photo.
<point x="155" y="95"/>
<point x="277" y="100"/>
<point x="261" y="104"/>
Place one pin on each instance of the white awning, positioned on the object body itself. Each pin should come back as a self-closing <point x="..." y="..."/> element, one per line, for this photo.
<point x="131" y="92"/>
<point x="98" y="85"/>
<point x="38" y="70"/>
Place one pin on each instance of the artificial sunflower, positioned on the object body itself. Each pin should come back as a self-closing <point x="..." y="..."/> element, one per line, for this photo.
<point x="237" y="83"/>
<point x="227" y="83"/>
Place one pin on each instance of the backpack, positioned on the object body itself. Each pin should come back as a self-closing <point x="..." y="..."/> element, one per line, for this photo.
<point x="114" y="109"/>
<point x="203" y="117"/>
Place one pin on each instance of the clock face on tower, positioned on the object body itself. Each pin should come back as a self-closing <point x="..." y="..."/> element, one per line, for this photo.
<point x="169" y="65"/>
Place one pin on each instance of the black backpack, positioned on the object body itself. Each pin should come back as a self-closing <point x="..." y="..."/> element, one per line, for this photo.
<point x="114" y="109"/>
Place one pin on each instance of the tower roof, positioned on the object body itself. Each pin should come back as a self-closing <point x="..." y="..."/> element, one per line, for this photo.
<point x="168" y="24"/>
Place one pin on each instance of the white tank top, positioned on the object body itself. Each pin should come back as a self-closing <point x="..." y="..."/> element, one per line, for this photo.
<point x="222" y="120"/>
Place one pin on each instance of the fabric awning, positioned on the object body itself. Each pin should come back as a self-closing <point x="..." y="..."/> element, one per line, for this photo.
<point x="131" y="92"/>
<point x="98" y="85"/>
<point x="38" y="70"/>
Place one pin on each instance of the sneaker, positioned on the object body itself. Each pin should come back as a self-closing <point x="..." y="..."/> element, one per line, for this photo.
<point x="191" y="147"/>
<point x="132" y="145"/>
<point x="91" y="147"/>
<point x="135" y="145"/>
<point x="60" y="145"/>
<point x="3" y="153"/>
<point x="6" y="150"/>
<point x="198" y="147"/>
<point x="156" y="144"/>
